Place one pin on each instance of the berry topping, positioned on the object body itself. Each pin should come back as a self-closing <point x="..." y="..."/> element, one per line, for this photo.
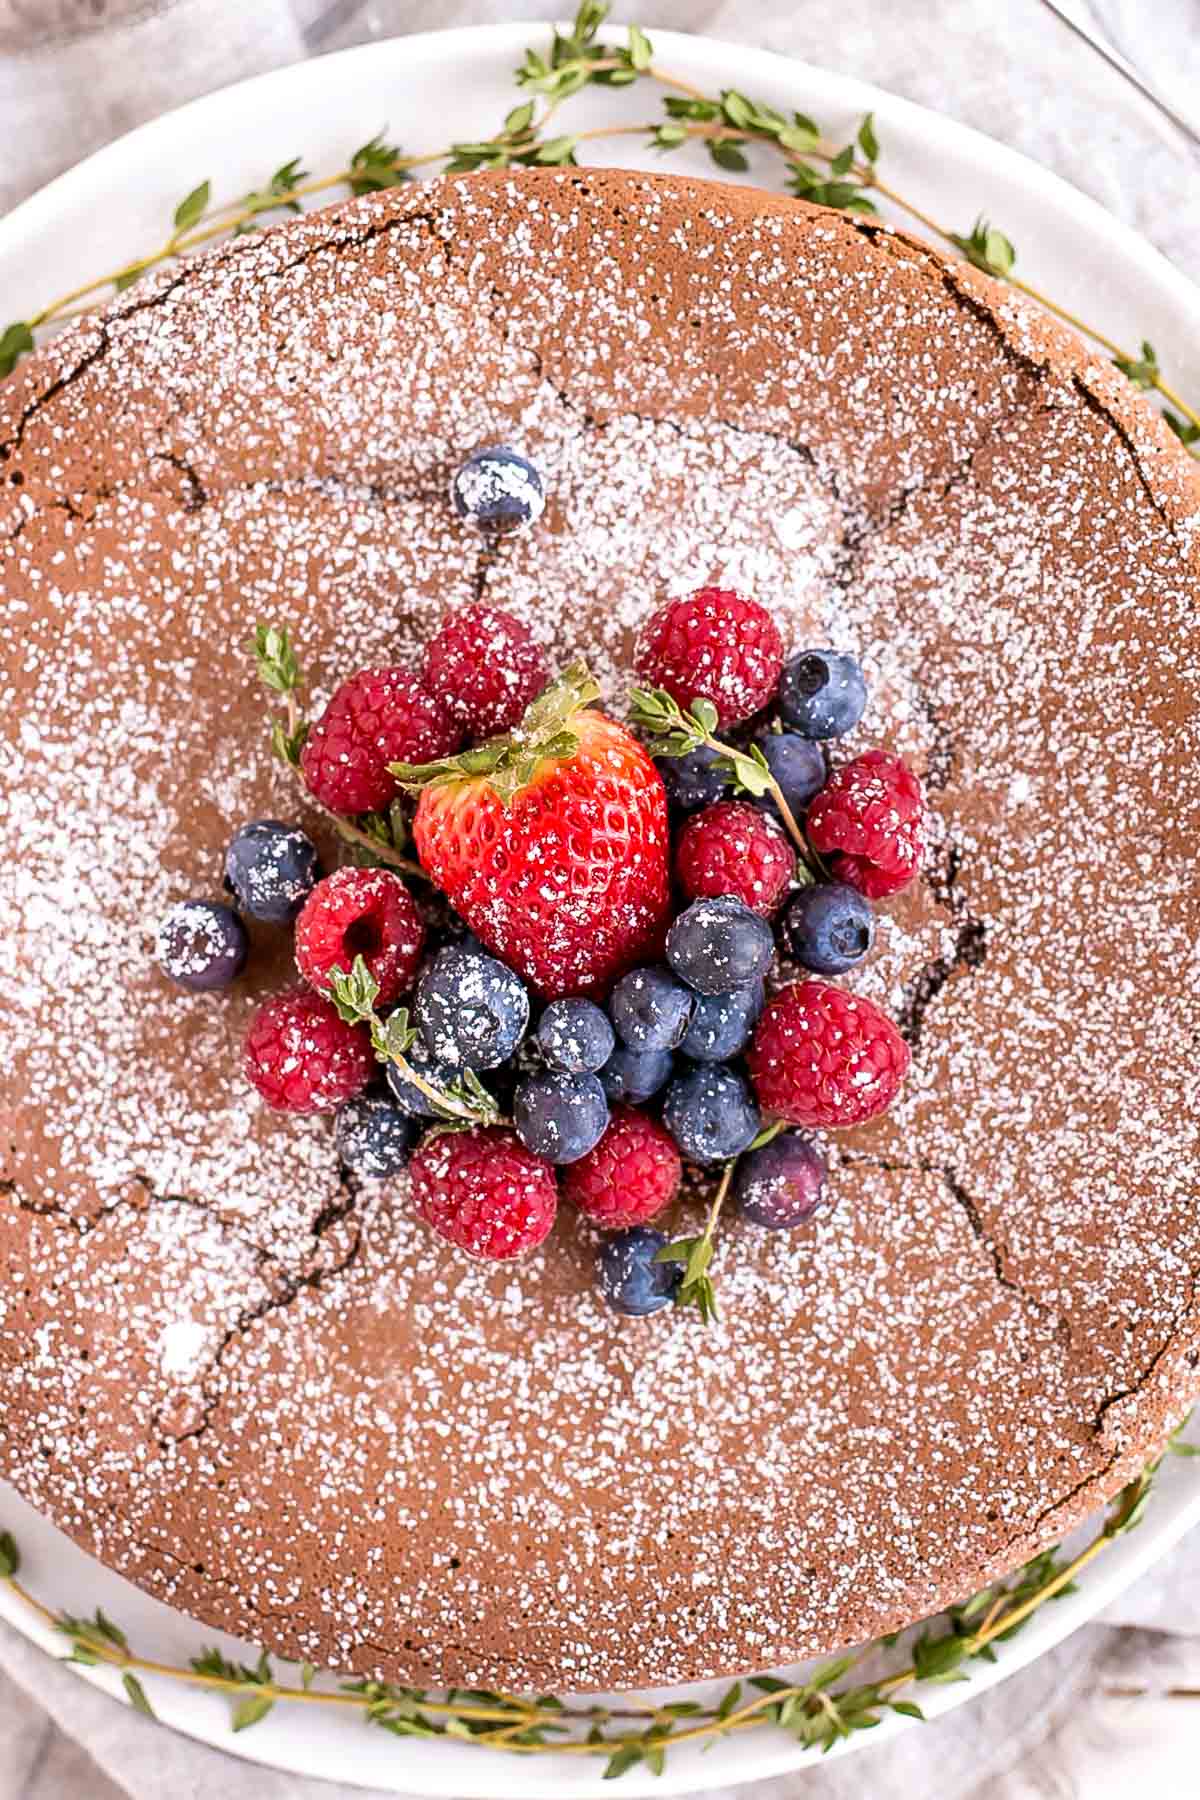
<point x="722" y="1023"/>
<point x="628" y="1276"/>
<point x="717" y="645"/>
<point x="697" y="779"/>
<point x="828" y="928"/>
<point x="302" y="1057"/>
<point x="781" y="1184"/>
<point x="201" y="946"/>
<point x="360" y="912"/>
<point x="629" y="1176"/>
<point x="373" y="1135"/>
<point x="798" y="767"/>
<point x="821" y="1056"/>
<point x="821" y="694"/>
<point x="483" y="1191"/>
<point x="711" y="1114"/>
<point x="407" y="1094"/>
<point x="271" y="869"/>
<point x="552" y="844"/>
<point x="497" y="491"/>
<point x="732" y="848"/>
<point x="651" y="1009"/>
<point x="471" y="1011"/>
<point x="719" y="944"/>
<point x="576" y="1036"/>
<point x="635" y="1074"/>
<point x="379" y="716"/>
<point x="559" y="1116"/>
<point x="485" y="668"/>
<point x="868" y="822"/>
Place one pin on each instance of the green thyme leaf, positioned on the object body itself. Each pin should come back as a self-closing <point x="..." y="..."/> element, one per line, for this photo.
<point x="727" y="155"/>
<point x="641" y="51"/>
<point x="275" y="659"/>
<point x="801" y="138"/>
<point x="737" y="109"/>
<point x="16" y="341"/>
<point x="935" y="1658"/>
<point x="842" y="162"/>
<point x="137" y="1694"/>
<point x="307" y="1675"/>
<point x="679" y="108"/>
<point x="669" y="137"/>
<point x="354" y="995"/>
<point x="908" y="1709"/>
<point x="191" y="207"/>
<point x="557" y="151"/>
<point x="624" y="1759"/>
<point x="249" y="1711"/>
<point x="868" y="143"/>
<point x="1142" y="370"/>
<point x="987" y="248"/>
<point x="519" y="119"/>
<point x="373" y="166"/>
<point x="127" y="277"/>
<point x="1186" y="430"/>
<point x="10" y="1556"/>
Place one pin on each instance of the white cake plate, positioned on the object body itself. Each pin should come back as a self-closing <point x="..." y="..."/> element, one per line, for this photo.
<point x="457" y="84"/>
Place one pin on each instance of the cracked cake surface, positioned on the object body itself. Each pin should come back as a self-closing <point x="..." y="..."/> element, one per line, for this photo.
<point x="266" y="1392"/>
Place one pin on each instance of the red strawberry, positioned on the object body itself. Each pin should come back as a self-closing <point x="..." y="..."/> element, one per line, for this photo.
<point x="552" y="843"/>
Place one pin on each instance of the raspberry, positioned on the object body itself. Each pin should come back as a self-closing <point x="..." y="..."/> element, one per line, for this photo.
<point x="483" y="1191"/>
<point x="485" y="668"/>
<point x="379" y="716"/>
<point x="716" y="645"/>
<point x="360" y="912"/>
<point x="821" y="1056"/>
<point x="734" y="849"/>
<point x="631" y="1174"/>
<point x="301" y="1057"/>
<point x="869" y="822"/>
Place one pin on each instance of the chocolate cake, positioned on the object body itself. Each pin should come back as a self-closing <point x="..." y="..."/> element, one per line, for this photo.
<point x="269" y="1394"/>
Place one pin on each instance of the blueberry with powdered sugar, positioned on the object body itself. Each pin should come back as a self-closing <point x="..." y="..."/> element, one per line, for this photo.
<point x="470" y="1009"/>
<point x="497" y="491"/>
<point x="271" y="869"/>
<point x="201" y="946"/>
<point x="575" y="1036"/>
<point x="373" y="1134"/>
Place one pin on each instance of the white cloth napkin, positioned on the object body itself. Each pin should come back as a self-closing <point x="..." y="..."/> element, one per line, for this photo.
<point x="1007" y="67"/>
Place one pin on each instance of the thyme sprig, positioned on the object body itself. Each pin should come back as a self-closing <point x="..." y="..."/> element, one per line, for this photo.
<point x="381" y="835"/>
<point x="727" y="125"/>
<point x="463" y="1103"/>
<point x="673" y="732"/>
<point x="817" y="1712"/>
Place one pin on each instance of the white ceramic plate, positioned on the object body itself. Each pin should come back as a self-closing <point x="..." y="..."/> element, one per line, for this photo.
<point x="432" y="89"/>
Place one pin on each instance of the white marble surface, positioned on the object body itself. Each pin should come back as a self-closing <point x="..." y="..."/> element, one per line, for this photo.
<point x="73" y="74"/>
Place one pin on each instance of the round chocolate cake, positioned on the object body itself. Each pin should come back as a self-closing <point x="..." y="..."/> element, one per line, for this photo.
<point x="266" y="1391"/>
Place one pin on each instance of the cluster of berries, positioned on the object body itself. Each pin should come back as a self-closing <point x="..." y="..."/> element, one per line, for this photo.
<point x="598" y="1014"/>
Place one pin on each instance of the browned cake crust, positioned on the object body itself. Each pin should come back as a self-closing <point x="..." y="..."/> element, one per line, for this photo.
<point x="273" y="1398"/>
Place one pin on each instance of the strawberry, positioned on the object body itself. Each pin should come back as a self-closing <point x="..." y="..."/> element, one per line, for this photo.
<point x="552" y="842"/>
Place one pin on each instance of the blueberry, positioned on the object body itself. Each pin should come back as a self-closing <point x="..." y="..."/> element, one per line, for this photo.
<point x="201" y="946"/>
<point x="271" y="869"/>
<point x="497" y="490"/>
<point x="694" y="780"/>
<point x="470" y="1009"/>
<point x="650" y="1009"/>
<point x="711" y="1115"/>
<point x="628" y="1276"/>
<point x="798" y="767"/>
<point x="718" y="944"/>
<point x="575" y="1035"/>
<point x="438" y="1074"/>
<point x="781" y="1184"/>
<point x="559" y="1116"/>
<point x="635" y="1074"/>
<point x="828" y="928"/>
<point x="373" y="1134"/>
<point x="822" y="694"/>
<point x="722" y="1023"/>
